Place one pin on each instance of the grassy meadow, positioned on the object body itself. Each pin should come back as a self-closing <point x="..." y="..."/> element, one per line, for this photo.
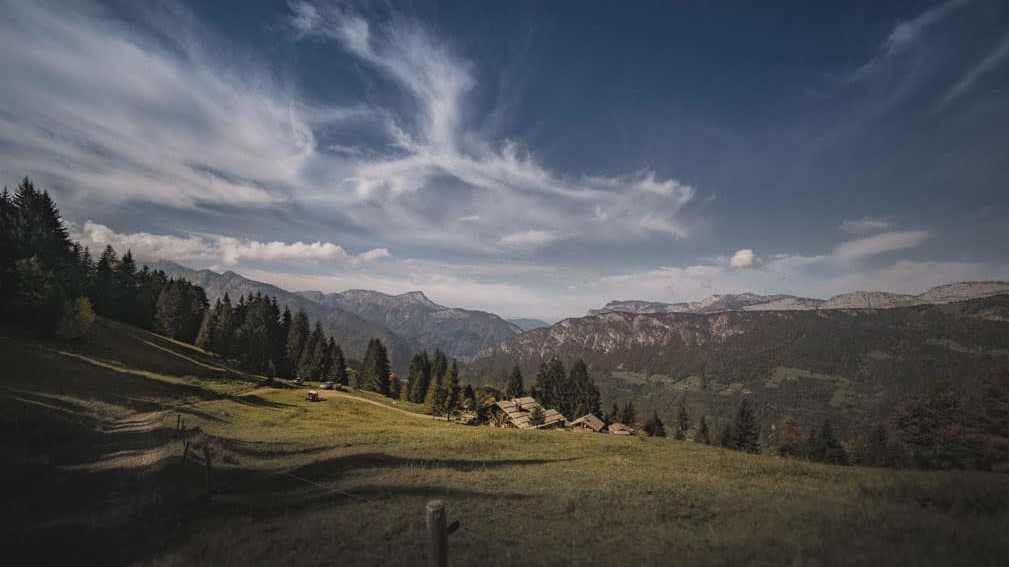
<point x="94" y="476"/>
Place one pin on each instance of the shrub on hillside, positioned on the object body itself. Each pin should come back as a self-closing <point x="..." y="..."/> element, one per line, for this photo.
<point x="76" y="320"/>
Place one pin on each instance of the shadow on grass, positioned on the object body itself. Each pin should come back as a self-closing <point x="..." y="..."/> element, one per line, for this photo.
<point x="262" y="487"/>
<point x="259" y="402"/>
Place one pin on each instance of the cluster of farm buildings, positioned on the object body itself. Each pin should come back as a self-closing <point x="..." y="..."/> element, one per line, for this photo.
<point x="518" y="413"/>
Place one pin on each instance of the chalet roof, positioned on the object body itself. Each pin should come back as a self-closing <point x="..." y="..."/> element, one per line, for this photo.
<point x="620" y="428"/>
<point x="591" y="421"/>
<point x="519" y="411"/>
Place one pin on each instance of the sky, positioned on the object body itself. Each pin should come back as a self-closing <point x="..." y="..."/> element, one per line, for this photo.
<point x="529" y="159"/>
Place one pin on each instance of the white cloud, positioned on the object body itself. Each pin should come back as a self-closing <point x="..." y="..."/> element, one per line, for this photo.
<point x="216" y="248"/>
<point x="975" y="73"/>
<point x="880" y="244"/>
<point x="117" y="116"/>
<point x="864" y="225"/>
<point x="374" y="254"/>
<point x="528" y="238"/>
<point x="743" y="259"/>
<point x="907" y="33"/>
<point x="517" y="199"/>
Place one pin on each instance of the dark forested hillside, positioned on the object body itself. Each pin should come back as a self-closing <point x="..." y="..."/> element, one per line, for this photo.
<point x="850" y="366"/>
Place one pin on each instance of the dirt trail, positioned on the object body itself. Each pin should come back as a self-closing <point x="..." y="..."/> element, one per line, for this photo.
<point x="328" y="394"/>
<point x="134" y="442"/>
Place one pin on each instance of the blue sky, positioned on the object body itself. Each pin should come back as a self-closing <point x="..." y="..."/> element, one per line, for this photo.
<point x="532" y="159"/>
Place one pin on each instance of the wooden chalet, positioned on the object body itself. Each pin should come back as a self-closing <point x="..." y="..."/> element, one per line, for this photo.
<point x="588" y="423"/>
<point x="620" y="429"/>
<point x="518" y="412"/>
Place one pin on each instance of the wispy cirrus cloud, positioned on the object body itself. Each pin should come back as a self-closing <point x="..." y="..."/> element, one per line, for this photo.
<point x="988" y="64"/>
<point x="880" y="244"/>
<point x="865" y="225"/>
<point x="115" y="114"/>
<point x="906" y="34"/>
<point x="518" y="200"/>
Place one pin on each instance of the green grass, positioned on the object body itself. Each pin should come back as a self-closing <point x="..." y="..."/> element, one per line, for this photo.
<point x="344" y="482"/>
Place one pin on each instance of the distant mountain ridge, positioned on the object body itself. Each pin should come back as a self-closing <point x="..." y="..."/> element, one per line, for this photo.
<point x="848" y="365"/>
<point x="855" y="300"/>
<point x="406" y="323"/>
<point x="350" y="330"/>
<point x="459" y="332"/>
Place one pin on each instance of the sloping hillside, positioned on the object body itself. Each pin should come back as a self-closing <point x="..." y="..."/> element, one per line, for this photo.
<point x="458" y="332"/>
<point x="851" y="366"/>
<point x="94" y="476"/>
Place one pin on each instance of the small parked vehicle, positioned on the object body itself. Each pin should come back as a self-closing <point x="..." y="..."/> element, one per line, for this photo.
<point x="328" y="386"/>
<point x="312" y="396"/>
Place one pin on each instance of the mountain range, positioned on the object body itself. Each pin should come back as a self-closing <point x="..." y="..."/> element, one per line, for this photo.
<point x="458" y="332"/>
<point x="405" y="323"/>
<point x="849" y="365"/>
<point x="854" y="300"/>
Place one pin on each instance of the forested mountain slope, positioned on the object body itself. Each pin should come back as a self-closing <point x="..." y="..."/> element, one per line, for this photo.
<point x="849" y="365"/>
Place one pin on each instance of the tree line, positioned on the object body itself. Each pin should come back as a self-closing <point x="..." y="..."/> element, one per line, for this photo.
<point x="52" y="284"/>
<point x="434" y="382"/>
<point x="936" y="430"/>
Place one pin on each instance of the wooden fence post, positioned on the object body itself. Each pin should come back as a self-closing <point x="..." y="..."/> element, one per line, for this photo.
<point x="185" y="453"/>
<point x="437" y="534"/>
<point x="210" y="487"/>
<point x="178" y="424"/>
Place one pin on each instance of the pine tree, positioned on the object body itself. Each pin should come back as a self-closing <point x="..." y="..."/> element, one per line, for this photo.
<point x="375" y="368"/>
<point x="582" y="394"/>
<point x="337" y="365"/>
<point x="435" y="396"/>
<point x="728" y="438"/>
<point x="180" y="309"/>
<point x="830" y="448"/>
<point x="297" y="336"/>
<point x="452" y="390"/>
<point x="613" y="416"/>
<point x="280" y="343"/>
<point x="654" y="426"/>
<point x="204" y="337"/>
<point x="682" y="424"/>
<point x="703" y="433"/>
<point x="515" y="388"/>
<point x="439" y="365"/>
<point x="225" y="325"/>
<point x="469" y="401"/>
<point x="313" y="356"/>
<point x="551" y="383"/>
<point x="627" y="415"/>
<point x="419" y="376"/>
<point x="747" y="433"/>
